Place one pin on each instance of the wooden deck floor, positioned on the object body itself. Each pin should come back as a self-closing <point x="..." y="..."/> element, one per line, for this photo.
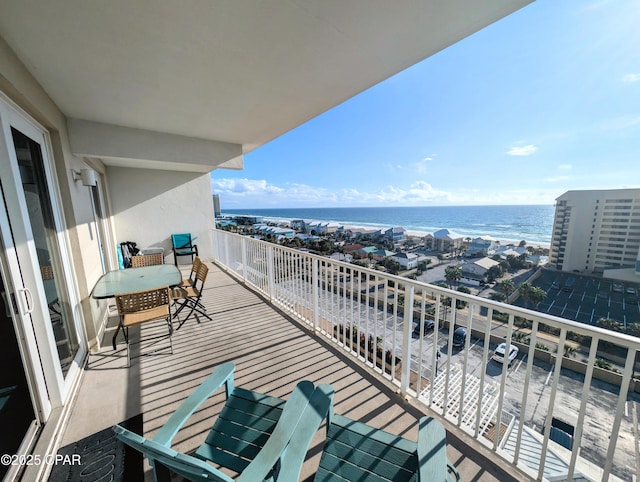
<point x="272" y="353"/>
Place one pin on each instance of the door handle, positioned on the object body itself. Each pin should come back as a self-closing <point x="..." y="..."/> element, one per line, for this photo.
<point x="26" y="301"/>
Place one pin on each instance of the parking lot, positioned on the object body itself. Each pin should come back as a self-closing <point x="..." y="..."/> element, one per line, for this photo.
<point x="588" y="298"/>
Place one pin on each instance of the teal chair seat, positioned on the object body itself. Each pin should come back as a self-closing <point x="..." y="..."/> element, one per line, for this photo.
<point x="354" y="451"/>
<point x="251" y="436"/>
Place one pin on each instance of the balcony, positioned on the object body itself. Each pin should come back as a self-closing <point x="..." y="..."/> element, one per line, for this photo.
<point x="282" y="315"/>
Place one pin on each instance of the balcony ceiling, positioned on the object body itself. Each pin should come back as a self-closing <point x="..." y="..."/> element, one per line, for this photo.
<point x="242" y="72"/>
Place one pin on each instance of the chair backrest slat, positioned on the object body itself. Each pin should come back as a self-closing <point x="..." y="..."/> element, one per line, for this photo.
<point x="142" y="300"/>
<point x="141" y="260"/>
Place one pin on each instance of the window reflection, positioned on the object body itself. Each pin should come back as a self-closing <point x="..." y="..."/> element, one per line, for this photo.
<point x="42" y="223"/>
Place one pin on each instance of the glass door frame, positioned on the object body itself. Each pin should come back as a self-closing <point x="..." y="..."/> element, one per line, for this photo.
<point x="43" y="346"/>
<point x="24" y="336"/>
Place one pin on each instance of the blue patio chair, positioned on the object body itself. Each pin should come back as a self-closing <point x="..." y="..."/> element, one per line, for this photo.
<point x="183" y="246"/>
<point x="354" y="451"/>
<point x="251" y="436"/>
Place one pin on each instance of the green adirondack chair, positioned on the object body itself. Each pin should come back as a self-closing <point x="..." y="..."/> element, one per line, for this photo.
<point x="354" y="451"/>
<point x="251" y="436"/>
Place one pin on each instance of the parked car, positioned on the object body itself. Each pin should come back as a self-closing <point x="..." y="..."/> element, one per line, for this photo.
<point x="617" y="287"/>
<point x="631" y="290"/>
<point x="501" y="349"/>
<point x="428" y="326"/>
<point x="459" y="337"/>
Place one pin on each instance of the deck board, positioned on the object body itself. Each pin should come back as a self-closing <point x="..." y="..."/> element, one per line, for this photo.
<point x="272" y="353"/>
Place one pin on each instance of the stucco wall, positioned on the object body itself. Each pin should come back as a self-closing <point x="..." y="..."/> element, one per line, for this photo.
<point x="149" y="205"/>
<point x="19" y="86"/>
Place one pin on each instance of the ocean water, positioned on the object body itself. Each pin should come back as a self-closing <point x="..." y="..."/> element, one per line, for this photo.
<point x="532" y="223"/>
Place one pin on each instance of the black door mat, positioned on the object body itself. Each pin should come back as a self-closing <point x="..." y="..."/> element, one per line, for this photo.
<point x="102" y="457"/>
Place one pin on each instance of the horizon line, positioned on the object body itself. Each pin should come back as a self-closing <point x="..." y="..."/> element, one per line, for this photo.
<point x="386" y="207"/>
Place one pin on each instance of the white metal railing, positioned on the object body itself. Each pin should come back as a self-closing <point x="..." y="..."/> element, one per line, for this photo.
<point x="510" y="410"/>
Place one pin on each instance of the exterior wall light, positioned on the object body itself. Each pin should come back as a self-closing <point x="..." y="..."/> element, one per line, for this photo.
<point x="87" y="176"/>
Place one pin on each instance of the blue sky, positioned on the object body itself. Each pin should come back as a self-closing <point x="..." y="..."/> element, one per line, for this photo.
<point x="543" y="101"/>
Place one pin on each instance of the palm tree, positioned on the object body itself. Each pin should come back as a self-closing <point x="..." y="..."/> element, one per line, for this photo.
<point x="524" y="290"/>
<point x="609" y="324"/>
<point x="506" y="287"/>
<point x="537" y="296"/>
<point x="452" y="274"/>
<point x="497" y="296"/>
<point x="570" y="351"/>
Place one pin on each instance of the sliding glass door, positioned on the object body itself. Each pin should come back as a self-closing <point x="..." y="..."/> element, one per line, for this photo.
<point x="41" y="330"/>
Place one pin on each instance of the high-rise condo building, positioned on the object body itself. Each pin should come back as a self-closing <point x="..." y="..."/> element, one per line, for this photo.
<point x="216" y="205"/>
<point x="596" y="230"/>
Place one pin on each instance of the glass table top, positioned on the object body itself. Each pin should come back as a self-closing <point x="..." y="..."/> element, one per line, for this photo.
<point x="136" y="279"/>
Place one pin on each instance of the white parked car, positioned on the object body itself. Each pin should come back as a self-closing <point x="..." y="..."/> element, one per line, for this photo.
<point x="498" y="354"/>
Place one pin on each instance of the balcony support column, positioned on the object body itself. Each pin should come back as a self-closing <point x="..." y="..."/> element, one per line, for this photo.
<point x="405" y="376"/>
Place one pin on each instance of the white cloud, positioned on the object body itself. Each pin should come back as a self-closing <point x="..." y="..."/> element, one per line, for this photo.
<point x="522" y="150"/>
<point x="565" y="167"/>
<point x="260" y="193"/>
<point x="631" y="78"/>
<point x="243" y="186"/>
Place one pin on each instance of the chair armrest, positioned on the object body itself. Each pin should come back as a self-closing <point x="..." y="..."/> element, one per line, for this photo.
<point x="432" y="451"/>
<point x="223" y="374"/>
<point x="453" y="475"/>
<point x="319" y="407"/>
<point x="293" y="411"/>
<point x="163" y="459"/>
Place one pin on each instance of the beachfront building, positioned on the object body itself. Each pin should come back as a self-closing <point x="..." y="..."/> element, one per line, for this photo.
<point x="276" y="231"/>
<point x="362" y="233"/>
<point x="596" y="230"/>
<point x="298" y="225"/>
<point x="443" y="240"/>
<point x="406" y="260"/>
<point x="396" y="234"/>
<point x="482" y="246"/>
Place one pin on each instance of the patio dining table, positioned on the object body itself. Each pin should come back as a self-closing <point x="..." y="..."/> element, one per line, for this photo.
<point x="129" y="280"/>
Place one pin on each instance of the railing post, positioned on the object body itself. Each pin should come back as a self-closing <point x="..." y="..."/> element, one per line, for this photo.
<point x="270" y="272"/>
<point x="227" y="240"/>
<point x="243" y="249"/>
<point x="314" y="293"/>
<point x="405" y="376"/>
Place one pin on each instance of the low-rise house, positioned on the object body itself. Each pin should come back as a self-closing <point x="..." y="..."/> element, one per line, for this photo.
<point x="536" y="260"/>
<point x="482" y="246"/>
<point x="276" y="231"/>
<point x="443" y="240"/>
<point x="298" y="224"/>
<point x="406" y="260"/>
<point x="475" y="272"/>
<point x="358" y="233"/>
<point x="322" y="227"/>
<point x="396" y="234"/>
<point x="347" y="258"/>
<point x="329" y="228"/>
<point x="380" y="254"/>
<point x="510" y="250"/>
